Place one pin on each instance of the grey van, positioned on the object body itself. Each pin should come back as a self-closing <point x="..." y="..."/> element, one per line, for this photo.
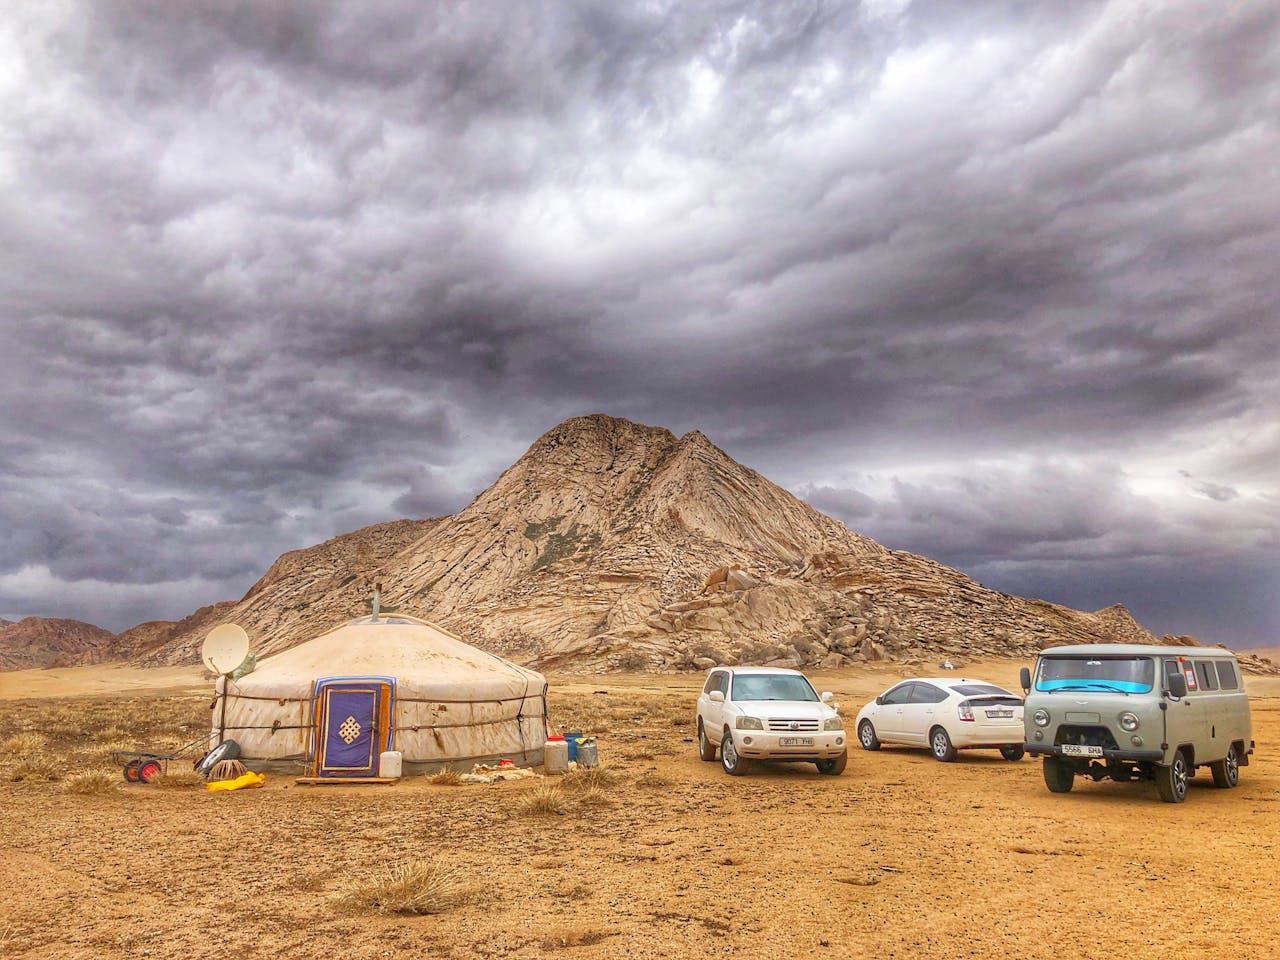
<point x="1131" y="712"/>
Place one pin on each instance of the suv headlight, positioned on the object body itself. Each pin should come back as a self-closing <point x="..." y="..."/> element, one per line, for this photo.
<point x="748" y="723"/>
<point x="833" y="723"/>
<point x="1129" y="721"/>
<point x="1041" y="717"/>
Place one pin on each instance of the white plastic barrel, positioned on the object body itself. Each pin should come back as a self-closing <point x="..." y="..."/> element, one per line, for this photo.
<point x="389" y="763"/>
<point x="555" y="756"/>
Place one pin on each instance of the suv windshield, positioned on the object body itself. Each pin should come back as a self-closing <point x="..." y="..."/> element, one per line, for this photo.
<point x="771" y="686"/>
<point x="1104" y="674"/>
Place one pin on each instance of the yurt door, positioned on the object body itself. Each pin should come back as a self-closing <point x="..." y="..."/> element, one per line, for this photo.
<point x="352" y="720"/>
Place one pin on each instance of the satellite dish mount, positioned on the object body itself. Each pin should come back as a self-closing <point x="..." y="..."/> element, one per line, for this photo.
<point x="223" y="650"/>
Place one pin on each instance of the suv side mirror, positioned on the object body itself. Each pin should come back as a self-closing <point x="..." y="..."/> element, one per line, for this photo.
<point x="1177" y="686"/>
<point x="827" y="696"/>
<point x="1024" y="678"/>
<point x="716" y="696"/>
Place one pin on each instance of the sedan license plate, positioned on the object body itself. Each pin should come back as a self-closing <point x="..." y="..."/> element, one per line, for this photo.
<point x="795" y="741"/>
<point x="1079" y="750"/>
<point x="1000" y="714"/>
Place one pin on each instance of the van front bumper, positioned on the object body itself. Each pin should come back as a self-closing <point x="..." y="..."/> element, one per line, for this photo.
<point x="1055" y="750"/>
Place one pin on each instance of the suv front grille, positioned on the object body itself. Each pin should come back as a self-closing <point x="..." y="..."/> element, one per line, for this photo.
<point x="784" y="726"/>
<point x="1086" y="735"/>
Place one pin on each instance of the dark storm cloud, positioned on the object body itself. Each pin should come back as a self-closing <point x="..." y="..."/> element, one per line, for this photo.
<point x="978" y="278"/>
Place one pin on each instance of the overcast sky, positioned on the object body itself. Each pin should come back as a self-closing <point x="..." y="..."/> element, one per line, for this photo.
<point x="994" y="282"/>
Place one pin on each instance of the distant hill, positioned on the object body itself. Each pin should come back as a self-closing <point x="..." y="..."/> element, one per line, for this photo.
<point x="35" y="642"/>
<point x="610" y="544"/>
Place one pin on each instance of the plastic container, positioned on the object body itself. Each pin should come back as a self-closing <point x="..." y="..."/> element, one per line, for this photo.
<point x="555" y="755"/>
<point x="588" y="756"/>
<point x="389" y="763"/>
<point x="571" y="737"/>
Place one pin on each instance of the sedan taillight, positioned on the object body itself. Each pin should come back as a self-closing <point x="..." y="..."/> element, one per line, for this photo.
<point x="966" y="711"/>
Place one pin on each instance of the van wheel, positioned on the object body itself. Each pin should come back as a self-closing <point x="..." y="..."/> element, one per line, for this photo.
<point x="1058" y="777"/>
<point x="706" y="749"/>
<point x="1226" y="772"/>
<point x="1013" y="752"/>
<point x="1171" y="780"/>
<point x="867" y="736"/>
<point x="730" y="762"/>
<point x="941" y="746"/>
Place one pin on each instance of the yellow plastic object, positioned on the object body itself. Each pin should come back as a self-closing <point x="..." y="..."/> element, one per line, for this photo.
<point x="250" y="779"/>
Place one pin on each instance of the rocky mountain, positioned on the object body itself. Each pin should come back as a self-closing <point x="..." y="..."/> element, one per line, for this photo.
<point x="35" y="642"/>
<point x="615" y="545"/>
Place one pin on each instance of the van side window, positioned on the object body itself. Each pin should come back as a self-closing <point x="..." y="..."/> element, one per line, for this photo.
<point x="1206" y="675"/>
<point x="1227" y="675"/>
<point x="1189" y="672"/>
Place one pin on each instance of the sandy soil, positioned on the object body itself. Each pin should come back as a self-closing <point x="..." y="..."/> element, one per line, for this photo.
<point x="899" y="857"/>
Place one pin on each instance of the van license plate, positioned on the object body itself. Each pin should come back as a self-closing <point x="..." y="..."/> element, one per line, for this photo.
<point x="1078" y="750"/>
<point x="795" y="741"/>
<point x="1000" y="714"/>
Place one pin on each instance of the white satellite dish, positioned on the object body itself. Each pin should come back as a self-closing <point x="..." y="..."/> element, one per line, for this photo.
<point x="225" y="648"/>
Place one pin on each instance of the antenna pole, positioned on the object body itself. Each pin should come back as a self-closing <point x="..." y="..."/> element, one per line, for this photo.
<point x="222" y="720"/>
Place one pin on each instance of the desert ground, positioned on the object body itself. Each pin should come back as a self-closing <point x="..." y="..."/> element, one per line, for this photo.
<point x="660" y="856"/>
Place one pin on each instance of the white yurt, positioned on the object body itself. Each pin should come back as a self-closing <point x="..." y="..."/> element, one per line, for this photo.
<point x="331" y="706"/>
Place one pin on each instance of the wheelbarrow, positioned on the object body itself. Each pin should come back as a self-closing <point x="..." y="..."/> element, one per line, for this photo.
<point x="143" y="766"/>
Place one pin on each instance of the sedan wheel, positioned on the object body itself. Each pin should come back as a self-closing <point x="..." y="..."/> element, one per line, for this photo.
<point x="1226" y="773"/>
<point x="1171" y="781"/>
<point x="940" y="744"/>
<point x="706" y="749"/>
<point x="733" y="765"/>
<point x="1013" y="752"/>
<point x="867" y="736"/>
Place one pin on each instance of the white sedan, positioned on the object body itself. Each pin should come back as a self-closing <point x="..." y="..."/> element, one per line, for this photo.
<point x="767" y="713"/>
<point x="945" y="715"/>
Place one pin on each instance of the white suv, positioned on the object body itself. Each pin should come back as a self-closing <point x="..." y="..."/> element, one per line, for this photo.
<point x="765" y="713"/>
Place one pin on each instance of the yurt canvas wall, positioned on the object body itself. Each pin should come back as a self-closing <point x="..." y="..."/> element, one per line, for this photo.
<point x="330" y="706"/>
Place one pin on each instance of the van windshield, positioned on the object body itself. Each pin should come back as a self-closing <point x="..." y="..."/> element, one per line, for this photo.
<point x="1104" y="674"/>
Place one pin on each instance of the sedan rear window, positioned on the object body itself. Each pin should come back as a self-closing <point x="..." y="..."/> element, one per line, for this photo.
<point x="771" y="686"/>
<point x="980" y="690"/>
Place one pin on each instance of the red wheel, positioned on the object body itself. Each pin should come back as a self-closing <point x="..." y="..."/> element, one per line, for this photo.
<point x="148" y="770"/>
<point x="131" y="771"/>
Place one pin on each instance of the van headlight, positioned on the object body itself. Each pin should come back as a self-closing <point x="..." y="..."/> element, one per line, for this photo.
<point x="749" y="723"/>
<point x="833" y="723"/>
<point x="1129" y="721"/>
<point x="1041" y="717"/>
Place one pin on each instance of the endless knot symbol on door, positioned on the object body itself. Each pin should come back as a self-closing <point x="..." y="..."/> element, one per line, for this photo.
<point x="349" y="730"/>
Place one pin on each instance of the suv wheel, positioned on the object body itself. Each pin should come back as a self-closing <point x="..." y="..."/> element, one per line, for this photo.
<point x="1226" y="773"/>
<point x="833" y="767"/>
<point x="734" y="765"/>
<point x="706" y="749"/>
<point x="867" y="736"/>
<point x="1171" y="780"/>
<point x="1058" y="777"/>
<point x="940" y="744"/>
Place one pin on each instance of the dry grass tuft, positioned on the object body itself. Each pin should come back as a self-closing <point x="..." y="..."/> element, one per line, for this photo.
<point x="418" y="887"/>
<point x="23" y="745"/>
<point x="589" y="778"/>
<point x="178" y="780"/>
<point x="446" y="778"/>
<point x="227" y="770"/>
<point x="572" y="937"/>
<point x="595" y="797"/>
<point x="543" y="799"/>
<point x="652" y="780"/>
<point x="93" y="782"/>
<point x="36" y="769"/>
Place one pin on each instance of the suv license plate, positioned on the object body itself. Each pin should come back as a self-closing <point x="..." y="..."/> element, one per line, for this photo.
<point x="795" y="741"/>
<point x="1077" y="750"/>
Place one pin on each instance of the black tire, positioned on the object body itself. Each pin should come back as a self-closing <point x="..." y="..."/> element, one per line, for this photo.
<point x="1172" y="780"/>
<point x="1013" y="753"/>
<point x="730" y="762"/>
<point x="706" y="749"/>
<point x="834" y="767"/>
<point x="148" y="770"/>
<point x="1058" y="777"/>
<point x="940" y="745"/>
<point x="226" y="750"/>
<point x="867" y="736"/>
<point x="1226" y="772"/>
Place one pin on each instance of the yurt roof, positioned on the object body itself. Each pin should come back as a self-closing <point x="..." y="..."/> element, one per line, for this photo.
<point x="401" y="647"/>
